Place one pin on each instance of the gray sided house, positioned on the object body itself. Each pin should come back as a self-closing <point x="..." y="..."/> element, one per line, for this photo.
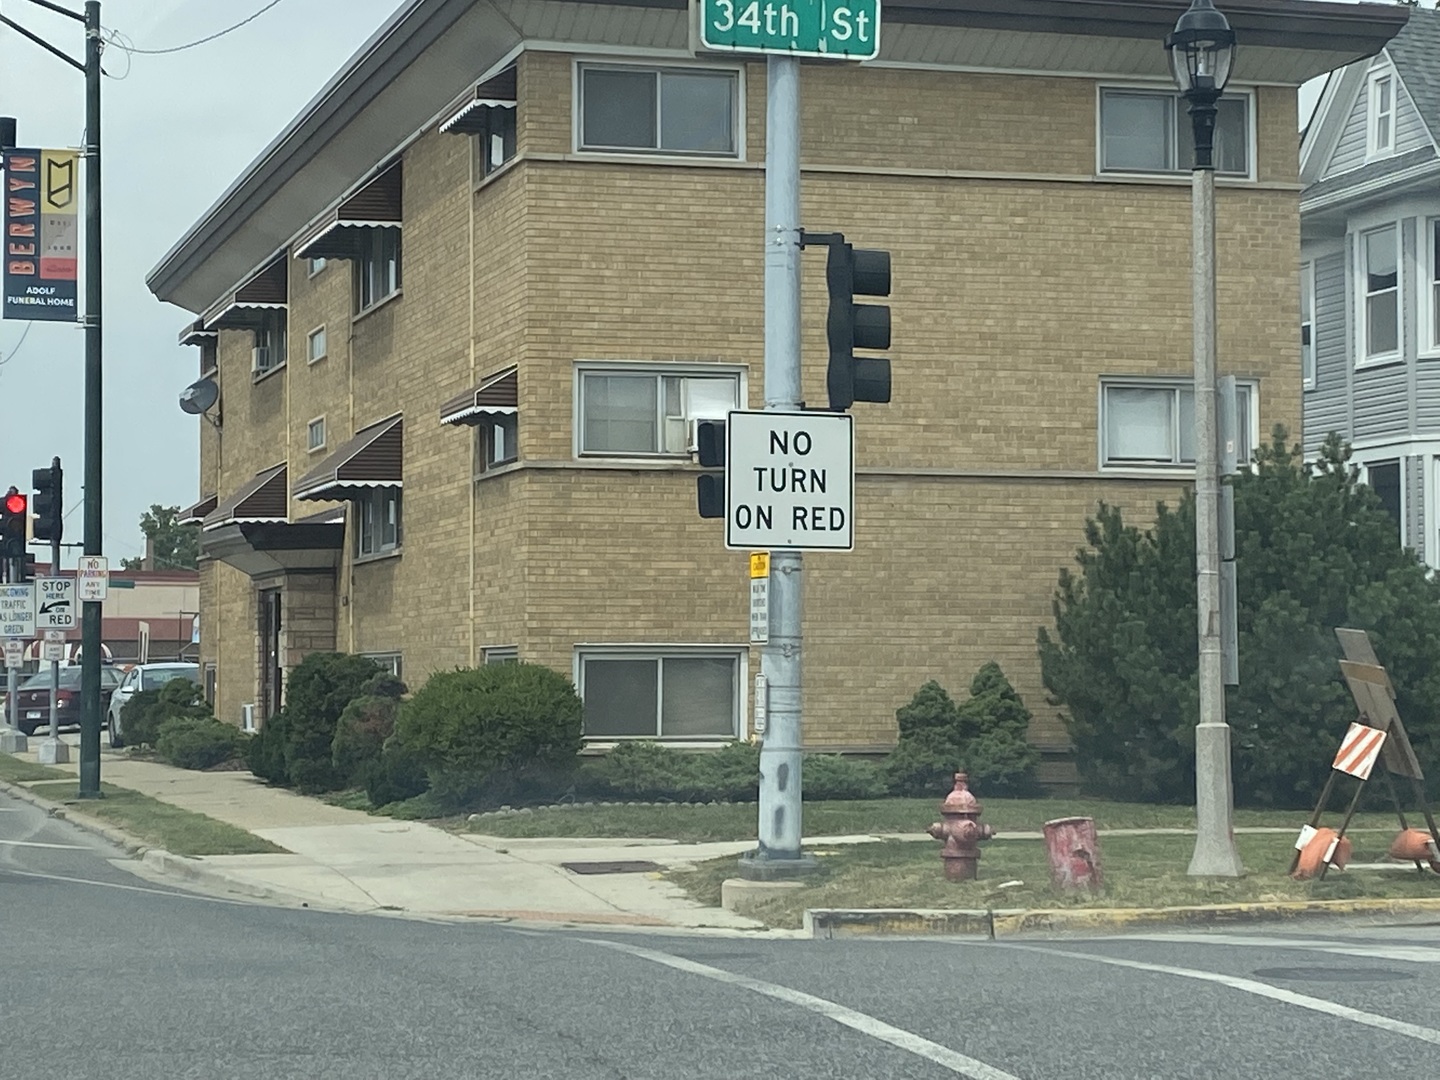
<point x="1370" y="275"/>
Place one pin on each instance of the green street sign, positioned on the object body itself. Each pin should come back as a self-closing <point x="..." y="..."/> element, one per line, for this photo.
<point x="837" y="29"/>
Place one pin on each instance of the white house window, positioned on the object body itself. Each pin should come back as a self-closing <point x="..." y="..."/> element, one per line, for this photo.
<point x="495" y="141"/>
<point x="661" y="695"/>
<point x="1383" y="478"/>
<point x="638" y="412"/>
<point x="315" y="434"/>
<point x="502" y="654"/>
<point x="1307" y="326"/>
<point x="1380" y="273"/>
<point x="1382" y="114"/>
<point x="393" y="662"/>
<point x="377" y="270"/>
<point x="1151" y="423"/>
<point x="1432" y="285"/>
<point x="315" y="345"/>
<point x="316" y="265"/>
<point x="1148" y="131"/>
<point x="497" y="442"/>
<point x="270" y="344"/>
<point x="659" y="110"/>
<point x="377" y="521"/>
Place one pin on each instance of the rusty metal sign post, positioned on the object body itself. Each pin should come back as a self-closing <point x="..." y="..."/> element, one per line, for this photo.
<point x="1378" y="737"/>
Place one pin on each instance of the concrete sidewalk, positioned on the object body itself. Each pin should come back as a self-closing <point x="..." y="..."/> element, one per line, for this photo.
<point x="350" y="860"/>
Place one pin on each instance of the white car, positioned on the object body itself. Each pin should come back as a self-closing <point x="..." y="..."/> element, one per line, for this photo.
<point x="142" y="677"/>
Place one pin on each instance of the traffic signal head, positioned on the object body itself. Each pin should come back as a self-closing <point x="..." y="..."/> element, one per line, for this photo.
<point x="710" y="450"/>
<point x="46" y="501"/>
<point x="851" y="272"/>
<point x="14" y="514"/>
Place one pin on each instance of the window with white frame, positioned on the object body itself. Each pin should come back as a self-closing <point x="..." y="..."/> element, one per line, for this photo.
<point x="661" y="694"/>
<point x="377" y="521"/>
<point x="1148" y="131"/>
<point x="1431" y="248"/>
<point x="502" y="654"/>
<point x="316" y="265"/>
<point x="1382" y="114"/>
<point x="1150" y="423"/>
<point x="270" y="344"/>
<point x="315" y="434"/>
<point x="497" y="442"/>
<point x="392" y="662"/>
<point x="680" y="110"/>
<point x="1380" y="305"/>
<point x="377" y="270"/>
<point x="1383" y="478"/>
<point x="315" y="345"/>
<point x="1307" y="326"/>
<point x="635" y="411"/>
<point x="495" y="141"/>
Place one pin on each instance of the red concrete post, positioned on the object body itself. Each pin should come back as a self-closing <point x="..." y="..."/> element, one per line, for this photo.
<point x="1074" y="852"/>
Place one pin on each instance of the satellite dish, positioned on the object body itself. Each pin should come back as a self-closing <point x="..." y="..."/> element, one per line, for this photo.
<point x="199" y="397"/>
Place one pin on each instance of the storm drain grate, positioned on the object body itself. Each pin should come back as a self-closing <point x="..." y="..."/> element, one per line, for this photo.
<point x="634" y="866"/>
<point x="1332" y="974"/>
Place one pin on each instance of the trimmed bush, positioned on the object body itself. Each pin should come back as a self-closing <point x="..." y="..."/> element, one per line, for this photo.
<point x="265" y="753"/>
<point x="199" y="742"/>
<point x="651" y="771"/>
<point x="147" y="710"/>
<point x="364" y="726"/>
<point x="493" y="732"/>
<point x="394" y="776"/>
<point x="830" y="776"/>
<point x="316" y="693"/>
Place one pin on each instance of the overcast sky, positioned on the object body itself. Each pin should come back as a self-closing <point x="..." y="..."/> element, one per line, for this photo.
<point x="178" y="130"/>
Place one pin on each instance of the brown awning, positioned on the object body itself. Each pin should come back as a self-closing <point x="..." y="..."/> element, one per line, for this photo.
<point x="194" y="515"/>
<point x="496" y="396"/>
<point x="467" y="116"/>
<point x="266" y="290"/>
<point x="197" y="334"/>
<point x="263" y="498"/>
<point x="373" y="458"/>
<point x="342" y="233"/>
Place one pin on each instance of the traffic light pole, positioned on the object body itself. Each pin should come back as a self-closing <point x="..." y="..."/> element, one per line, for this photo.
<point x="779" y="854"/>
<point x="52" y="751"/>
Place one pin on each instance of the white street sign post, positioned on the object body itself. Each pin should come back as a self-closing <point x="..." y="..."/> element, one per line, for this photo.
<point x="55" y="604"/>
<point x="93" y="577"/>
<point x="53" y="649"/>
<point x="759" y="597"/>
<point x="17" y="611"/>
<point x="56" y="612"/>
<point x="14" y="654"/>
<point x="17" y="622"/>
<point x="790" y="481"/>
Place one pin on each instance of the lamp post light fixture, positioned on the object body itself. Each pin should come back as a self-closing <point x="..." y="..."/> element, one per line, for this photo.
<point x="1202" y="53"/>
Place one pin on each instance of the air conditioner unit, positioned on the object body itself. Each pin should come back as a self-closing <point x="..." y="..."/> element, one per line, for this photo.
<point x="247" y="718"/>
<point x="260" y="358"/>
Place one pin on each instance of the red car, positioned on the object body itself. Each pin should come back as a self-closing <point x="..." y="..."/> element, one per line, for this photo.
<point x="34" y="698"/>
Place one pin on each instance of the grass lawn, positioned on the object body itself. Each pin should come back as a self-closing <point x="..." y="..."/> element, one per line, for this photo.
<point x="737" y="821"/>
<point x="178" y="831"/>
<point x="1139" y="871"/>
<point x="17" y="771"/>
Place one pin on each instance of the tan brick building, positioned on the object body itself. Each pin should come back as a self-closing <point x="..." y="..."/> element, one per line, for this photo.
<point x="465" y="435"/>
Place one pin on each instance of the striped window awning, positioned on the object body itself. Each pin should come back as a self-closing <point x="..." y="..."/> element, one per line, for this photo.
<point x="495" y="396"/>
<point x="467" y="116"/>
<point x="198" y="334"/>
<point x="373" y="458"/>
<point x="262" y="498"/>
<point x="249" y="306"/>
<point x="342" y="233"/>
<point x="194" y="515"/>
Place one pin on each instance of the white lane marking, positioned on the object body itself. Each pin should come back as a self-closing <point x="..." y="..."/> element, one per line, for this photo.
<point x="124" y="888"/>
<point x="867" y="1025"/>
<point x="42" y="844"/>
<point x="1415" y="954"/>
<point x="1259" y="989"/>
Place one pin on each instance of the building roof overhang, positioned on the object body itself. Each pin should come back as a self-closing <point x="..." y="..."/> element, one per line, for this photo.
<point x="265" y="548"/>
<point x="496" y="396"/>
<point x="431" y="51"/>
<point x="261" y="498"/>
<point x="373" y="458"/>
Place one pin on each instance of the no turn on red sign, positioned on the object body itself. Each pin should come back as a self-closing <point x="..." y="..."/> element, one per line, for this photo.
<point x="790" y="481"/>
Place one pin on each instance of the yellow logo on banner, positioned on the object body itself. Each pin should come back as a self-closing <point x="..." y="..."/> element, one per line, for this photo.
<point x="57" y="195"/>
<point x="759" y="564"/>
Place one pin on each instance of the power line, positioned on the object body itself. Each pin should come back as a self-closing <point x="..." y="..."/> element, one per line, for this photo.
<point x="115" y="38"/>
<point x="11" y="354"/>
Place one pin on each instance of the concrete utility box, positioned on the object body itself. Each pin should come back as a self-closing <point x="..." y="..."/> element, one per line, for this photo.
<point x="1074" y="851"/>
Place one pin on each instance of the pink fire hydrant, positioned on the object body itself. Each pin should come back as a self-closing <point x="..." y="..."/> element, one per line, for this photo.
<point x="961" y="832"/>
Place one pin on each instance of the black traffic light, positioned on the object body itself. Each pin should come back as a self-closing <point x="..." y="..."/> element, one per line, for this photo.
<point x="852" y="272"/>
<point x="46" y="502"/>
<point x="14" y="514"/>
<point x="710" y="450"/>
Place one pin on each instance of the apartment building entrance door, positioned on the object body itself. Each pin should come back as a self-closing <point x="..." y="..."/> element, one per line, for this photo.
<point x="270" y="672"/>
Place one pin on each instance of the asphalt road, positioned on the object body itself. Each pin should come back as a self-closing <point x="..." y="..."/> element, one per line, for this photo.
<point x="107" y="975"/>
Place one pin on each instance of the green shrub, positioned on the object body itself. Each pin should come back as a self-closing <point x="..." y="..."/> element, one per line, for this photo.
<point x="492" y="732"/>
<point x="931" y="709"/>
<point x="923" y="764"/>
<point x="394" y="776"/>
<point x="651" y="771"/>
<point x="316" y="693"/>
<point x="830" y="776"/>
<point x="199" y="742"/>
<point x="147" y="710"/>
<point x="265" y="753"/>
<point x="364" y="726"/>
<point x="730" y="774"/>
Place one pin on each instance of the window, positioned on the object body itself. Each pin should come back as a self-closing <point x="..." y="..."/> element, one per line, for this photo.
<point x="315" y="434"/>
<point x="316" y="265"/>
<point x="1382" y="114"/>
<point x="377" y="521"/>
<point x="495" y="141"/>
<point x="496" y="442"/>
<point x="1383" y="478"/>
<point x="1307" y="326"/>
<point x="1148" y="131"/>
<point x="1380" y="313"/>
<point x="209" y="357"/>
<point x="389" y="661"/>
<point x="1146" y="423"/>
<point x="639" y="412"/>
<point x="210" y="679"/>
<point x="504" y="654"/>
<point x="1431" y="296"/>
<point x="315" y="345"/>
<point x="377" y="270"/>
<point x="668" y="696"/>
<point x="665" y="110"/>
<point x="270" y="345"/>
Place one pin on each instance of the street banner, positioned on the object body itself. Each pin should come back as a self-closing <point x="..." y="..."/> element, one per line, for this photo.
<point x="42" y="235"/>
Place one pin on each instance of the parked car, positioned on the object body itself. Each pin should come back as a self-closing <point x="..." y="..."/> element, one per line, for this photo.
<point x="33" y="698"/>
<point x="142" y="677"/>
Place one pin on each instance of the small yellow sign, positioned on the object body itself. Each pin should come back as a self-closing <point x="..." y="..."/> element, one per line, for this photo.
<point x="759" y="564"/>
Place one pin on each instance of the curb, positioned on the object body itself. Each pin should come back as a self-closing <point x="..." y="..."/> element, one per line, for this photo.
<point x="157" y="859"/>
<point x="830" y="923"/>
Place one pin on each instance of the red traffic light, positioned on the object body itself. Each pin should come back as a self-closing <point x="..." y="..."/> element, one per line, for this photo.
<point x="15" y="503"/>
